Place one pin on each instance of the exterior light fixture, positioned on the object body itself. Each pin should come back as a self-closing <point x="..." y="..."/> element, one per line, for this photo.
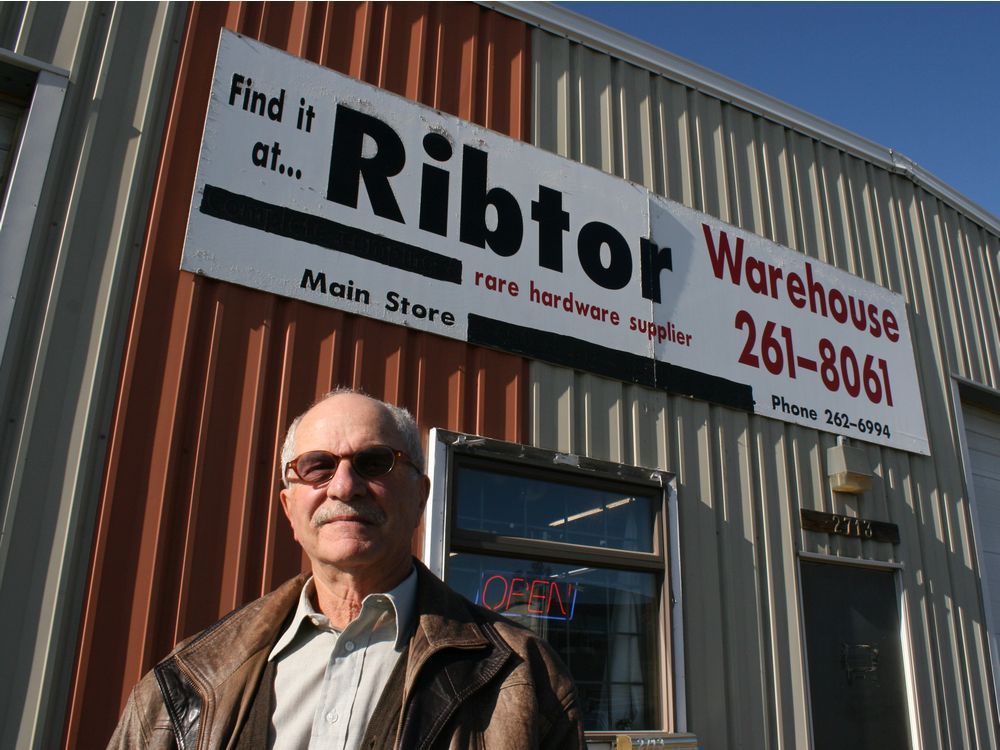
<point x="848" y="469"/>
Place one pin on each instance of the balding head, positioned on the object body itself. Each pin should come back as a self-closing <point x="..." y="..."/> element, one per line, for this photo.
<point x="405" y="424"/>
<point x="354" y="522"/>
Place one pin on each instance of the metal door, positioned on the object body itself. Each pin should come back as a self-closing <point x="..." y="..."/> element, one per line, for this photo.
<point x="855" y="659"/>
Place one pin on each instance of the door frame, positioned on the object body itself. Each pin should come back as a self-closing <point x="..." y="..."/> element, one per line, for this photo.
<point x="904" y="639"/>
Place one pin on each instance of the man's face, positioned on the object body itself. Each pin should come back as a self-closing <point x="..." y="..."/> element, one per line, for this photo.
<point x="356" y="525"/>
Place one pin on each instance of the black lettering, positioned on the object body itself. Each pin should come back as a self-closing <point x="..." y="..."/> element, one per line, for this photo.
<point x="235" y="88"/>
<point x="276" y="107"/>
<point x="434" y="186"/>
<point x="552" y="222"/>
<point x="593" y="237"/>
<point x="260" y="153"/>
<point x="257" y="98"/>
<point x="505" y="239"/>
<point x="348" y="167"/>
<point x="314" y="282"/>
<point x="652" y="260"/>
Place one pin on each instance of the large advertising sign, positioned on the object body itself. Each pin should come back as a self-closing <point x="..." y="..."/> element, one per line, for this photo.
<point x="315" y="186"/>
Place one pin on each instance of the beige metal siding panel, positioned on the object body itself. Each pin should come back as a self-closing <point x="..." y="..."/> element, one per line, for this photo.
<point x="780" y="498"/>
<point x="674" y="171"/>
<point x="984" y="324"/>
<point x="712" y="190"/>
<point x="841" y="209"/>
<point x="737" y="532"/>
<point x="648" y="420"/>
<point x="700" y="567"/>
<point x="866" y="219"/>
<point x="960" y="304"/>
<point x="812" y="220"/>
<point x="552" y="393"/>
<point x="76" y="291"/>
<point x="632" y="120"/>
<point x="779" y="184"/>
<point x="590" y="109"/>
<point x="840" y="233"/>
<point x="554" y="129"/>
<point x="748" y="200"/>
<point x="918" y="614"/>
<point x="601" y="427"/>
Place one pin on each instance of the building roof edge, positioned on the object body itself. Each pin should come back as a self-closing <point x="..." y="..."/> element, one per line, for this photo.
<point x="558" y="20"/>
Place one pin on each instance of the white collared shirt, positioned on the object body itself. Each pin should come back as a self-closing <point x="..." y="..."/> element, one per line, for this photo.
<point x="327" y="684"/>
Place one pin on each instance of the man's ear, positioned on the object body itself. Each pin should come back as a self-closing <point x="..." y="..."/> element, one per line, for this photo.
<point x="284" y="495"/>
<point x="425" y="490"/>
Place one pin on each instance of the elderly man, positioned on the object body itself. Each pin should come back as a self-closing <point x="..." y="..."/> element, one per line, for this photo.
<point x="371" y="650"/>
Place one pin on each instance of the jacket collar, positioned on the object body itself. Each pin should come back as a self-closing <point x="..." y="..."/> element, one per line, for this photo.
<point x="212" y="656"/>
<point x="193" y="679"/>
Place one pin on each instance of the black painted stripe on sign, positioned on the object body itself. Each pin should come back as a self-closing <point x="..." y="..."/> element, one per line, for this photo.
<point x="631" y="368"/>
<point x="315" y="230"/>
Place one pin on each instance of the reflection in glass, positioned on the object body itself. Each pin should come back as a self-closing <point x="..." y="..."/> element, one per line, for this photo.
<point x="554" y="511"/>
<point x="602" y="622"/>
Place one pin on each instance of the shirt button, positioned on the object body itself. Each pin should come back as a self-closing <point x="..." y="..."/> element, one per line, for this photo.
<point x="349" y="646"/>
<point x="332" y="717"/>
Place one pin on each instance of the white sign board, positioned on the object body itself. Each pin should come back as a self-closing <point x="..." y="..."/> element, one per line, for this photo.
<point x="315" y="186"/>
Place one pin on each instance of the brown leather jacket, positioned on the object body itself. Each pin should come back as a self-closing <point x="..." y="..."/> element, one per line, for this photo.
<point x="473" y="680"/>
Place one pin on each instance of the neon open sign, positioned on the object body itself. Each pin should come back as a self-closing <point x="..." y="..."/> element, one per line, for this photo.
<point x="519" y="596"/>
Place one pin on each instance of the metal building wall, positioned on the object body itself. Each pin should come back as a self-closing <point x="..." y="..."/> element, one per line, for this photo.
<point x="188" y="523"/>
<point x="742" y="479"/>
<point x="62" y="357"/>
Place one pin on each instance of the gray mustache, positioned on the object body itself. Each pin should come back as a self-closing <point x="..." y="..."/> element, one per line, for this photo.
<point x="335" y="508"/>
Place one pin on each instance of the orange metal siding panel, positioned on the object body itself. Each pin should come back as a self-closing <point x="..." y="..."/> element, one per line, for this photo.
<point x="188" y="525"/>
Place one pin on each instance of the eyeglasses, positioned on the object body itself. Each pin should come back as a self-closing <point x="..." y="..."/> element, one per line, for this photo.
<point x="318" y="467"/>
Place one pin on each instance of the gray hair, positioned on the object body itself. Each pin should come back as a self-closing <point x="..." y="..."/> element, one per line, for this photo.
<point x="401" y="418"/>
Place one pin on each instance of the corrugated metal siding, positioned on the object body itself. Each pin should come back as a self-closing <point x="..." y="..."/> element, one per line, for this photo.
<point x="742" y="479"/>
<point x="66" y="339"/>
<point x="189" y="526"/>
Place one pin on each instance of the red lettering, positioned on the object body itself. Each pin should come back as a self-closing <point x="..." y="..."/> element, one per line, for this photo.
<point x="796" y="290"/>
<point x="724" y="255"/>
<point x="554" y="593"/>
<point x="503" y="596"/>
<point x="857" y="313"/>
<point x="533" y="596"/>
<point x="538" y="597"/>
<point x="774" y="275"/>
<point x="511" y="593"/>
<point x="891" y="326"/>
<point x="756" y="276"/>
<point x="875" y="329"/>
<point x="838" y="306"/>
<point x="816" y="291"/>
<point x="496" y="283"/>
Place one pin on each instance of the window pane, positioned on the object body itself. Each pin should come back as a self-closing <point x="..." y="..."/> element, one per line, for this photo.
<point x="555" y="511"/>
<point x="602" y="622"/>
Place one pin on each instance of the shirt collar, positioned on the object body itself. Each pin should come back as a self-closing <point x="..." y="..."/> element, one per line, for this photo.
<point x="402" y="599"/>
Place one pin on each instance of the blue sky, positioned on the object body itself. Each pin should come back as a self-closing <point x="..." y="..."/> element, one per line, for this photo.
<point x="920" y="78"/>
